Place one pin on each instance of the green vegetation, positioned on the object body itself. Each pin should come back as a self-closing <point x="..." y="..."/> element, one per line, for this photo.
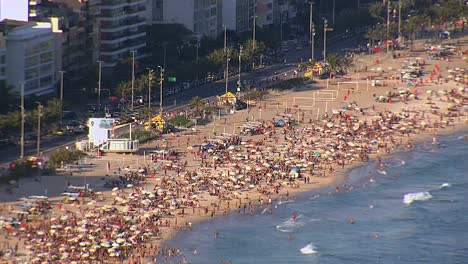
<point x="23" y="169"/>
<point x="10" y="122"/>
<point x="63" y="157"/>
<point x="417" y="15"/>
<point x="289" y="84"/>
<point x="255" y="95"/>
<point x="142" y="136"/>
<point x="180" y="121"/>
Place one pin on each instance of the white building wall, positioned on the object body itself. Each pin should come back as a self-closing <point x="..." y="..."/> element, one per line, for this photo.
<point x="14" y="9"/>
<point x="34" y="57"/>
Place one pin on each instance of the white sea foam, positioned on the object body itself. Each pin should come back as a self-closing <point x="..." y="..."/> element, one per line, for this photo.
<point x="420" y="196"/>
<point x="382" y="172"/>
<point x="314" y="197"/>
<point x="309" y="249"/>
<point x="445" y="185"/>
<point x="280" y="202"/>
<point x="290" y="224"/>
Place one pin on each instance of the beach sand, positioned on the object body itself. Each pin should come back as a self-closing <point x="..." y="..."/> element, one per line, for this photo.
<point x="229" y="124"/>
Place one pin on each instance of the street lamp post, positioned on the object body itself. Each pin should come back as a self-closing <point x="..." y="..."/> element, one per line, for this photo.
<point x="253" y="40"/>
<point x="388" y="26"/>
<point x="99" y="85"/>
<point x="240" y="60"/>
<point x="161" y="78"/>
<point x="150" y="71"/>
<point x="39" y="114"/>
<point x="61" y="97"/>
<point x="325" y="21"/>
<point x="133" y="76"/>
<point x="226" y="53"/>
<point x="22" y="121"/>
<point x="311" y="31"/>
<point x="399" y="22"/>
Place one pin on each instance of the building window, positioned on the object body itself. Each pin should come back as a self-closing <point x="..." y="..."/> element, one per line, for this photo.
<point x="213" y="11"/>
<point x="2" y="59"/>
<point x="269" y="17"/>
<point x="31" y="85"/>
<point x="46" y="57"/>
<point x="31" y="73"/>
<point x="46" y="68"/>
<point x="2" y="71"/>
<point x="31" y="61"/>
<point x="46" y="81"/>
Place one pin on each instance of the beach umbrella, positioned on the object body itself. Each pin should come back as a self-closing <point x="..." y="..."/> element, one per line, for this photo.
<point x="317" y="154"/>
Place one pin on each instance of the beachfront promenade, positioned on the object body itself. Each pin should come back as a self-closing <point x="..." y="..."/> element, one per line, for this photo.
<point x="218" y="170"/>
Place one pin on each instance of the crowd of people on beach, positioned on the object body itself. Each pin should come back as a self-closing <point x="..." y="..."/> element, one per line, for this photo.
<point x="238" y="173"/>
<point x="120" y="227"/>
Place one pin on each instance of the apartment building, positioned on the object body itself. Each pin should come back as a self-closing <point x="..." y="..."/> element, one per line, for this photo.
<point x="2" y="61"/>
<point x="238" y="14"/>
<point x="121" y="29"/>
<point x="33" y="56"/>
<point x="203" y="17"/>
<point x="265" y="12"/>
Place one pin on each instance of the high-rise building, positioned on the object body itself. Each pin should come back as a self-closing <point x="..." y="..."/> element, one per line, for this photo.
<point x="120" y="30"/>
<point x="33" y="56"/>
<point x="203" y="17"/>
<point x="238" y="14"/>
<point x="2" y="61"/>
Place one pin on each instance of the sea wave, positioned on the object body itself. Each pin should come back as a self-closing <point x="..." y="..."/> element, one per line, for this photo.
<point x="419" y="196"/>
<point x="291" y="224"/>
<point x="280" y="202"/>
<point x="445" y="185"/>
<point x="309" y="249"/>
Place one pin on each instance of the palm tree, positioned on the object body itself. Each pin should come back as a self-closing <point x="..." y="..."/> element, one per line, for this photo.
<point x="197" y="103"/>
<point x="338" y="63"/>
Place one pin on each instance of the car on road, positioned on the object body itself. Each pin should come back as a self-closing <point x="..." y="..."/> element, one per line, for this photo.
<point x="59" y="132"/>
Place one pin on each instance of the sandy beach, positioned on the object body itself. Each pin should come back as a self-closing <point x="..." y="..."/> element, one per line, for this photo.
<point x="216" y="170"/>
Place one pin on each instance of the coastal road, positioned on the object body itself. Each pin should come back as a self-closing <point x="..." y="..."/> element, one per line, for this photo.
<point x="293" y="57"/>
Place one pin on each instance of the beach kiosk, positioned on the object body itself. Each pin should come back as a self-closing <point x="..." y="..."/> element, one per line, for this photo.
<point x="227" y="99"/>
<point x="158" y="123"/>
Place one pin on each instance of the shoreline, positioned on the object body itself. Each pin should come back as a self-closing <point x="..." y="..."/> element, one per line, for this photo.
<point x="206" y="200"/>
<point x="339" y="176"/>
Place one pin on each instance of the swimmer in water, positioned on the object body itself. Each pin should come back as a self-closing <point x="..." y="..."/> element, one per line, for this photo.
<point x="351" y="221"/>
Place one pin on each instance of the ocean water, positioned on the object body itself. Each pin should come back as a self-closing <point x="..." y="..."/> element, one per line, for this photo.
<point x="413" y="211"/>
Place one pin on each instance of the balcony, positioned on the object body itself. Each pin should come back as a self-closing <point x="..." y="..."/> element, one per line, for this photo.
<point x="115" y="26"/>
<point x="113" y="2"/>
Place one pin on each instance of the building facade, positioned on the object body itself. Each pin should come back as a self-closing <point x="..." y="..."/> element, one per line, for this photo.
<point x="121" y="29"/>
<point x="238" y="14"/>
<point x="2" y="61"/>
<point x="34" y="57"/>
<point x="203" y="17"/>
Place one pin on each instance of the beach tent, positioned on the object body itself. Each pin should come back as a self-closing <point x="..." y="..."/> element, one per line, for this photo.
<point x="227" y="99"/>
